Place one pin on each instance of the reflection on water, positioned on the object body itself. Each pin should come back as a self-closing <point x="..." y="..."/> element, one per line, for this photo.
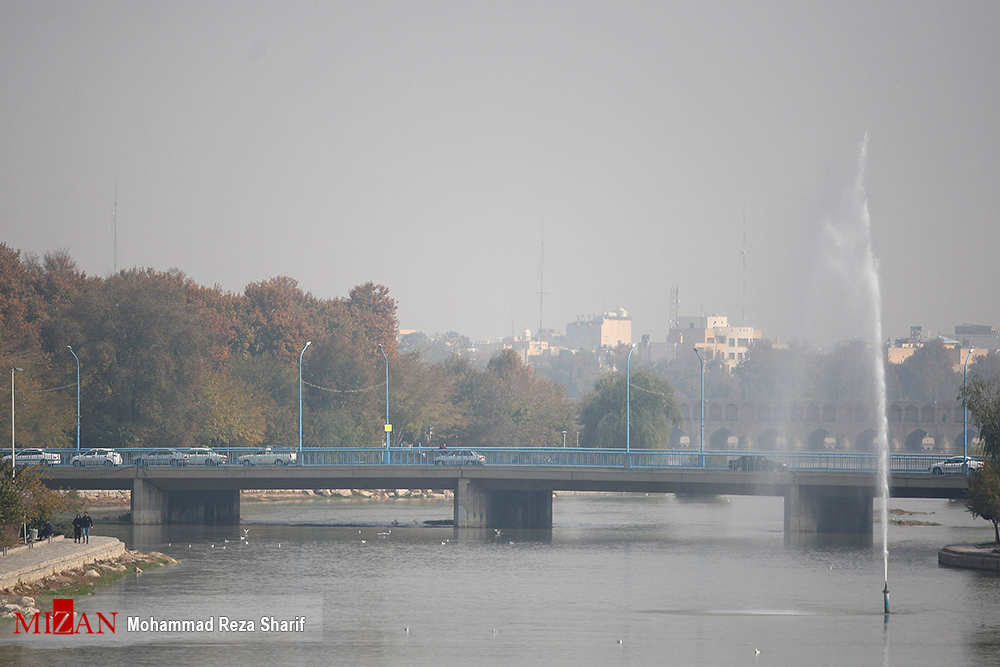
<point x="630" y="580"/>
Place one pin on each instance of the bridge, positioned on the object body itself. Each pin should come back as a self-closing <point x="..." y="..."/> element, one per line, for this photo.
<point x="816" y="425"/>
<point x="823" y="492"/>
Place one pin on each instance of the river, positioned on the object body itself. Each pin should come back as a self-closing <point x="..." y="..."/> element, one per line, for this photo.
<point x="620" y="580"/>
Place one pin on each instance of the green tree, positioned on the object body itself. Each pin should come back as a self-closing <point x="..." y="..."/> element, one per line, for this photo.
<point x="24" y="499"/>
<point x="982" y="397"/>
<point x="654" y="412"/>
<point x="929" y="374"/>
<point x="984" y="495"/>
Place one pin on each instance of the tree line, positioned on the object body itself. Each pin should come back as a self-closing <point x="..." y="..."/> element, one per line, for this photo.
<point x="166" y="362"/>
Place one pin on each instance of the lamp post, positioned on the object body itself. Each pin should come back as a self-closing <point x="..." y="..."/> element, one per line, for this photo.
<point x="308" y="343"/>
<point x="701" y="438"/>
<point x="77" y="397"/>
<point x="628" y="405"/>
<point x="388" y="426"/>
<point x="13" y="459"/>
<point x="965" y="428"/>
<point x="564" y="439"/>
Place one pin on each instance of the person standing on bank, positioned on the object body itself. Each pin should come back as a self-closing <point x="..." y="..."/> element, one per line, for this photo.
<point x="77" y="527"/>
<point x="86" y="524"/>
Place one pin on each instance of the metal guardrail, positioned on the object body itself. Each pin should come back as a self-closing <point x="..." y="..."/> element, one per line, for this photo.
<point x="568" y="457"/>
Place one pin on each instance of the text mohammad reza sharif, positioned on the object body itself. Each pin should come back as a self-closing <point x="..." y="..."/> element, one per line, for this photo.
<point x="217" y="624"/>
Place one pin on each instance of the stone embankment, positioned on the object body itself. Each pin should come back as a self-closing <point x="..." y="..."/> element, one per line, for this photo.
<point x="61" y="567"/>
<point x="971" y="556"/>
<point x="264" y="495"/>
<point x="46" y="558"/>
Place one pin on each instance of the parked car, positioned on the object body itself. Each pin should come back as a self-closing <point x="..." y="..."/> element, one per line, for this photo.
<point x="205" y="456"/>
<point x="758" y="463"/>
<point x="31" y="457"/>
<point x="161" y="457"/>
<point x="955" y="465"/>
<point x="97" y="457"/>
<point x="459" y="458"/>
<point x="269" y="457"/>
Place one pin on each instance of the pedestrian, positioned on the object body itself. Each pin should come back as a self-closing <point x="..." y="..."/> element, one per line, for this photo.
<point x="77" y="528"/>
<point x="86" y="524"/>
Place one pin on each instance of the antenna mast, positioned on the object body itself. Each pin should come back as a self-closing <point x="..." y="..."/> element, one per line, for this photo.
<point x="541" y="282"/>
<point x="114" y="223"/>
<point x="743" y="252"/>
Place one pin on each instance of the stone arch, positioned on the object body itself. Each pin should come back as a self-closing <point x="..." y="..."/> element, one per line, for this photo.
<point x="795" y="413"/>
<point x="686" y="414"/>
<point x="812" y="413"/>
<point x="918" y="440"/>
<point x="715" y="412"/>
<point x="927" y="414"/>
<point x="732" y="413"/>
<point x="763" y="412"/>
<point x="679" y="439"/>
<point x="959" y="414"/>
<point x="910" y="414"/>
<point x="895" y="413"/>
<point x="819" y="440"/>
<point x="866" y="441"/>
<point x="829" y="413"/>
<point x="768" y="440"/>
<point x="860" y="414"/>
<point x="721" y="439"/>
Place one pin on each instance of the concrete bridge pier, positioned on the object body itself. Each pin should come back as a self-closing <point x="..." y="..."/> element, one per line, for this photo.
<point x="152" y="505"/>
<point x="479" y="506"/>
<point x="829" y="509"/>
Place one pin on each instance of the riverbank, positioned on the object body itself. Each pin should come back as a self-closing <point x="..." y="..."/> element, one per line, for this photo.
<point x="971" y="556"/>
<point x="31" y="577"/>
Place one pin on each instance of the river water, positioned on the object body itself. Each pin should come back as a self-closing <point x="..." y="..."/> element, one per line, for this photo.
<point x="620" y="580"/>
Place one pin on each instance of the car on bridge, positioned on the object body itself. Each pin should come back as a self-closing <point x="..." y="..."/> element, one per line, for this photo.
<point x="160" y="457"/>
<point x="758" y="463"/>
<point x="269" y="457"/>
<point x="955" y="465"/>
<point x="460" y="458"/>
<point x="97" y="457"/>
<point x="205" y="456"/>
<point x="32" y="457"/>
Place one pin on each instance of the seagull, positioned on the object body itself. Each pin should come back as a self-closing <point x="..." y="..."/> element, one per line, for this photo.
<point x="407" y="629"/>
<point x="756" y="651"/>
<point x="619" y="641"/>
<point x="138" y="571"/>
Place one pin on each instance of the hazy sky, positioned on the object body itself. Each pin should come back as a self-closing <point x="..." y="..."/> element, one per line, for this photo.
<point x="426" y="145"/>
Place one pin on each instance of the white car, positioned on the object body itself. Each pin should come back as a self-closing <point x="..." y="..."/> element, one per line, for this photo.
<point x="204" y="456"/>
<point x="955" y="465"/>
<point x="97" y="457"/>
<point x="269" y="457"/>
<point x="459" y="458"/>
<point x="31" y="457"/>
<point x="161" y="457"/>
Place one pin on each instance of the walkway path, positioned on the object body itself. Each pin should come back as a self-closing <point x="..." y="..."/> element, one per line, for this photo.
<point x="27" y="565"/>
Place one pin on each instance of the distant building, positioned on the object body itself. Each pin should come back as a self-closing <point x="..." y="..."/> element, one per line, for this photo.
<point x="979" y="336"/>
<point x="712" y="335"/>
<point x="977" y="340"/>
<point x="607" y="330"/>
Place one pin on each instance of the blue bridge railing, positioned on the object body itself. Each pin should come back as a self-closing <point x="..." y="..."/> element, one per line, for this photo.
<point x="501" y="456"/>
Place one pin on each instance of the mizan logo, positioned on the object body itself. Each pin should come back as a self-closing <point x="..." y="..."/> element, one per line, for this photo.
<point x="62" y="620"/>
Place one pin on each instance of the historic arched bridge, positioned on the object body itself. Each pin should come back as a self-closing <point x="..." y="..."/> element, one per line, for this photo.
<point x="815" y="426"/>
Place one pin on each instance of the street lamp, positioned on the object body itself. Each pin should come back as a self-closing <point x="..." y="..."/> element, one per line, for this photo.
<point x="701" y="438"/>
<point x="965" y="429"/>
<point x="388" y="426"/>
<point x="564" y="439"/>
<point x="77" y="397"/>
<point x="308" y="343"/>
<point x="13" y="459"/>
<point x="628" y="405"/>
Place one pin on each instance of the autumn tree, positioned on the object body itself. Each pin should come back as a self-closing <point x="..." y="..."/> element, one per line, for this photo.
<point x="507" y="405"/>
<point x="24" y="499"/>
